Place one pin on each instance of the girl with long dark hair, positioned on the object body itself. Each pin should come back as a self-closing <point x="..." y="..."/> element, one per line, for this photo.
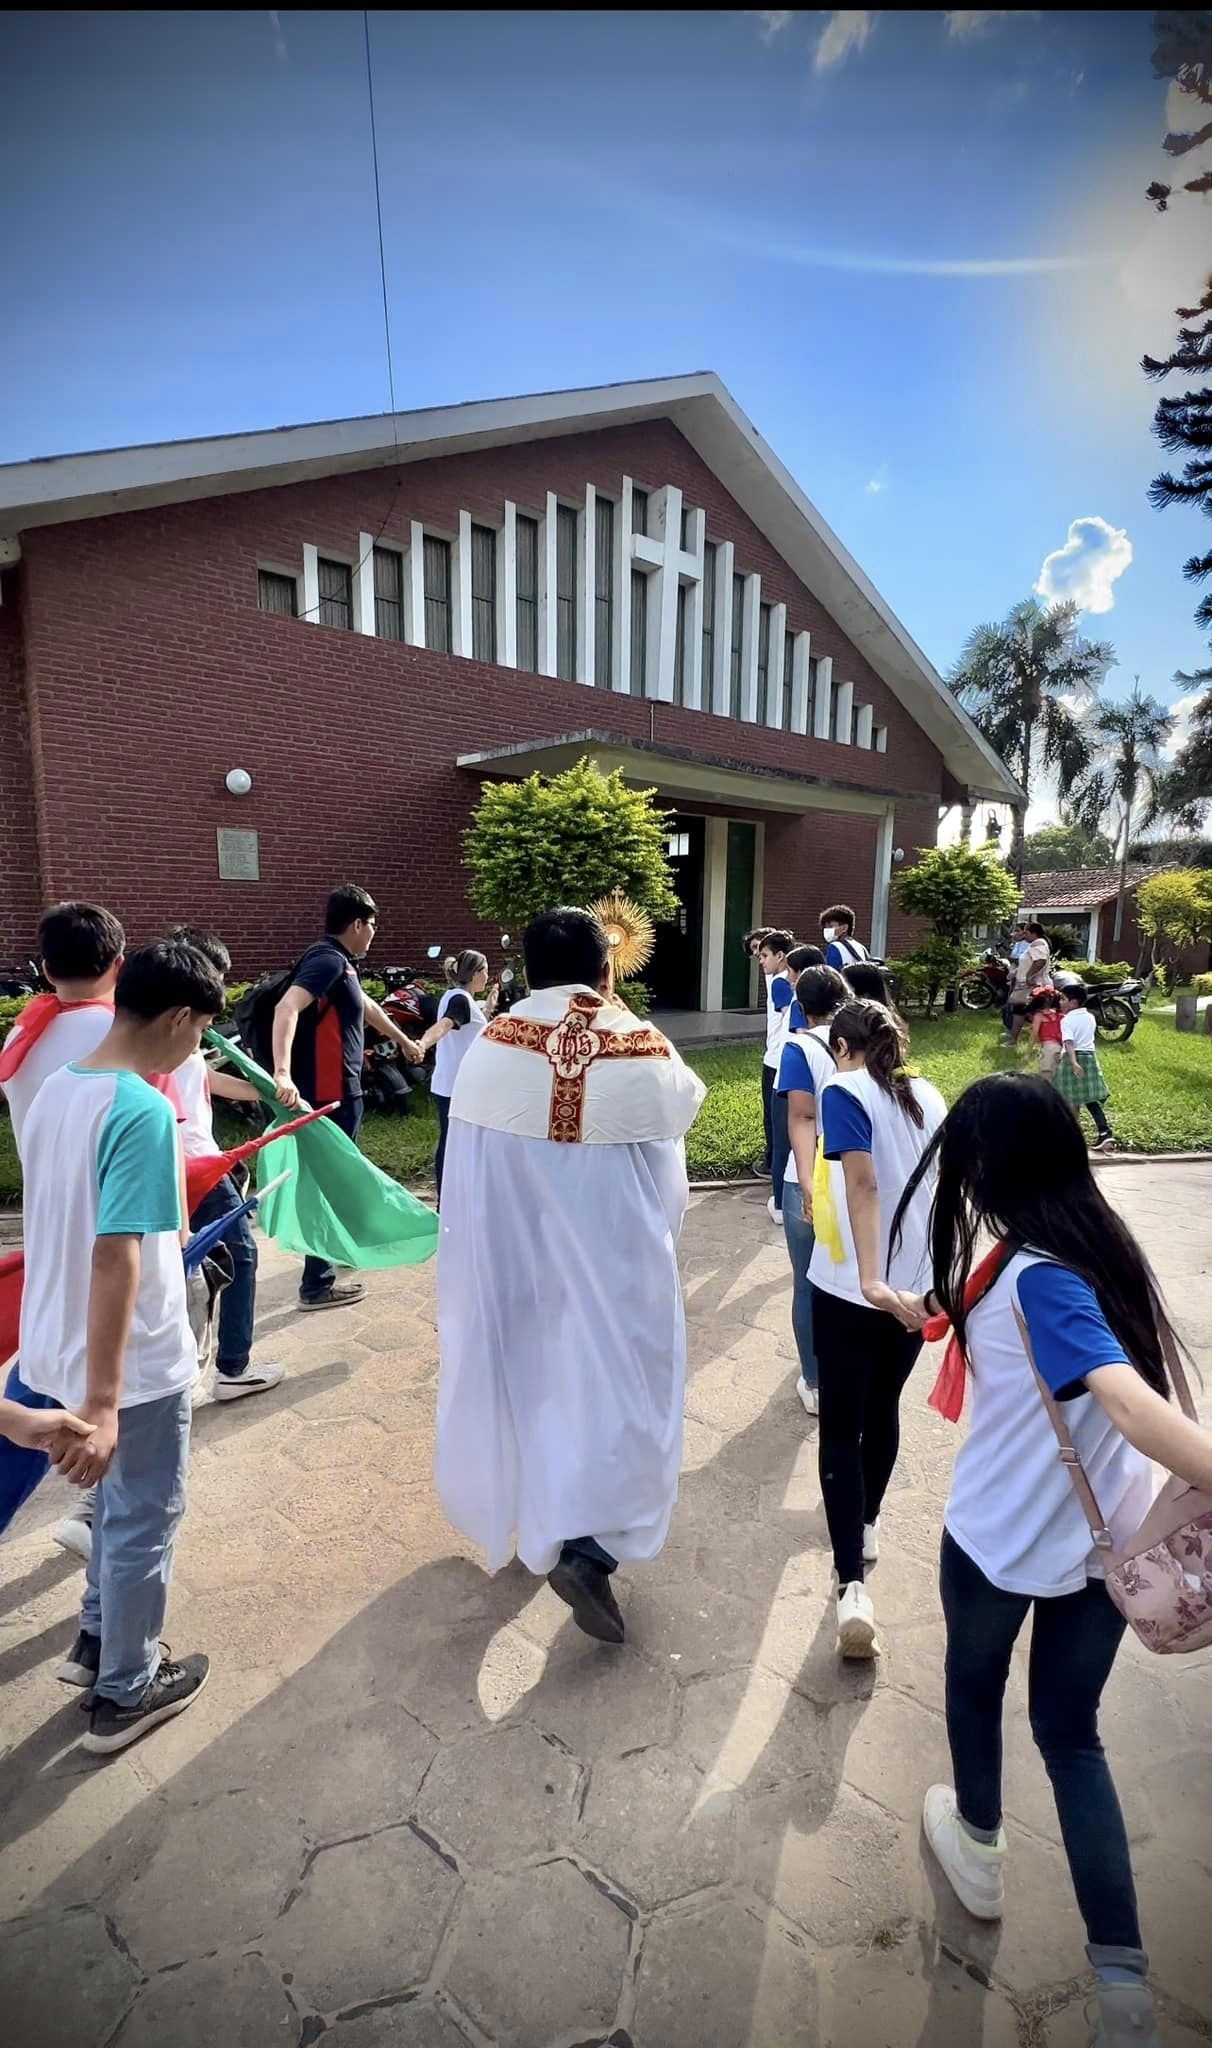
<point x="1011" y="1162"/>
<point x="875" y="1122"/>
<point x="460" y="1019"/>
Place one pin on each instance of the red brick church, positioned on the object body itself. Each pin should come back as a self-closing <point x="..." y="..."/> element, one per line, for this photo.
<point x="369" y="617"/>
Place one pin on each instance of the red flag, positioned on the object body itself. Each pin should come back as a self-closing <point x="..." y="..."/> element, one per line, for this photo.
<point x="201" y="1175"/>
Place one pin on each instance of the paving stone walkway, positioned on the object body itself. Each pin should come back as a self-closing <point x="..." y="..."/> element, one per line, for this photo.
<point x="416" y="1809"/>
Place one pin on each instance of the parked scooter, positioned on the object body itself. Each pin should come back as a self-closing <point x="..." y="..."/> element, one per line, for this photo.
<point x="25" y="980"/>
<point x="1115" y="1010"/>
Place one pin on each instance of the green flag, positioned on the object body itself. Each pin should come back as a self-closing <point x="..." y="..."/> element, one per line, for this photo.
<point x="336" y="1204"/>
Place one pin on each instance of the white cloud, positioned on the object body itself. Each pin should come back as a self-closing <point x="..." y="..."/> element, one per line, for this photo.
<point x="878" y="483"/>
<point x="1181" y="710"/>
<point x="846" y="29"/>
<point x="969" y="21"/>
<point x="1086" y="568"/>
<point x="774" y="20"/>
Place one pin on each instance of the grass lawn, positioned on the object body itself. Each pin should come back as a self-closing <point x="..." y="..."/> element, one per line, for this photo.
<point x="1160" y="1081"/>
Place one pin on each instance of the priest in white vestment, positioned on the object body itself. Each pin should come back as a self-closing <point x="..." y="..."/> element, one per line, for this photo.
<point x="560" y="1320"/>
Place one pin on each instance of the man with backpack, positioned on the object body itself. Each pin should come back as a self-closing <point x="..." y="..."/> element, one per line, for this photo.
<point x="318" y="1043"/>
<point x="842" y="949"/>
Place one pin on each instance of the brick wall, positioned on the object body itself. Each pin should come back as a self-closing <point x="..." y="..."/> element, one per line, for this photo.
<point x="20" y="889"/>
<point x="151" y="673"/>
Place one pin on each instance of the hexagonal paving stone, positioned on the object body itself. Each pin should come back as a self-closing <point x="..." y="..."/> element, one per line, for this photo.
<point x="341" y="1445"/>
<point x="63" y="1983"/>
<point x="687" y="1624"/>
<point x="559" y="1968"/>
<point x="1174" y="1901"/>
<point x="750" y="1728"/>
<point x="413" y="2023"/>
<point x="727" y="1974"/>
<point x="886" y="1999"/>
<point x="438" y="1678"/>
<point x="250" y="1854"/>
<point x="654" y="1826"/>
<point x="344" y="1773"/>
<point x="834" y="1865"/>
<point x="499" y="1796"/>
<point x="895" y="1751"/>
<point x="236" y="1999"/>
<point x="367" y="1919"/>
<point x="601" y="1701"/>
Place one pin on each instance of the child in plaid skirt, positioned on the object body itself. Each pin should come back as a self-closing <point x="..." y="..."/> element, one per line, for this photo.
<point x="1079" y="1078"/>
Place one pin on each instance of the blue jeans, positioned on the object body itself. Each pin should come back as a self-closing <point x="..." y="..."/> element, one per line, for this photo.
<point x="237" y="1303"/>
<point x="800" y="1239"/>
<point x="140" y="1503"/>
<point x="1074" y="1638"/>
<point x="20" y="1470"/>
<point x="318" y="1276"/>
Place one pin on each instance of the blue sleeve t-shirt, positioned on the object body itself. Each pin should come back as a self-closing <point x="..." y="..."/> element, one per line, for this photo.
<point x="138" y="1184"/>
<point x="1069" y="1333"/>
<point x="845" y="1124"/>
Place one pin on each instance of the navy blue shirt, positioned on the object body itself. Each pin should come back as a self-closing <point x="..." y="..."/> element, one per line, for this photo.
<point x="330" y="1038"/>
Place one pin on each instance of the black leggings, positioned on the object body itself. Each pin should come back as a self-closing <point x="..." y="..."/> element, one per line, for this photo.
<point x="768" y="1081"/>
<point x="864" y="1358"/>
<point x="442" y="1104"/>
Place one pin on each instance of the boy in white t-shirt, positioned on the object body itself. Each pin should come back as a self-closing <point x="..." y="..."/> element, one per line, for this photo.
<point x="772" y="959"/>
<point x="235" y="1375"/>
<point x="105" y="1328"/>
<point x="1079" y="1077"/>
<point x="80" y="948"/>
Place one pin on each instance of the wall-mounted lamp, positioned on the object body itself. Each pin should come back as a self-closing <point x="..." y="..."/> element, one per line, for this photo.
<point x="898" y="853"/>
<point x="239" y="781"/>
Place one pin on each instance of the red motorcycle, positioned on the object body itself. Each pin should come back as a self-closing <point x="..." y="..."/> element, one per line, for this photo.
<point x="988" y="986"/>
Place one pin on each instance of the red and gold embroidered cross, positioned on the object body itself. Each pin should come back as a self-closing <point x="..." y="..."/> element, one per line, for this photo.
<point x="570" y="1048"/>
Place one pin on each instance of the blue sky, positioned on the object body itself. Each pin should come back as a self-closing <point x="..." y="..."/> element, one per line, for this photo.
<point x="913" y="244"/>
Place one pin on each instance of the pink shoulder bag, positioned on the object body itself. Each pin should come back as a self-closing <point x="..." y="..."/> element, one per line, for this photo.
<point x="1161" y="1581"/>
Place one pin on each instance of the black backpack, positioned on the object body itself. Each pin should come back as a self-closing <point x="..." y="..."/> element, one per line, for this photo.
<point x="253" y="1015"/>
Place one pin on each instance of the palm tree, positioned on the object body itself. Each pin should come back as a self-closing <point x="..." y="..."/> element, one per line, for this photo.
<point x="1024" y="683"/>
<point x="1126" y="769"/>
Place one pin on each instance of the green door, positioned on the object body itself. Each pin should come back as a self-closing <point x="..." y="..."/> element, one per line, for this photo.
<point x="738" y="912"/>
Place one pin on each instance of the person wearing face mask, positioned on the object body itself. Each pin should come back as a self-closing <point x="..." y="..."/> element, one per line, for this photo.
<point x="842" y="949"/>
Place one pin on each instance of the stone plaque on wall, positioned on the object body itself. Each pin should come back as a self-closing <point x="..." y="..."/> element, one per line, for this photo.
<point x="239" y="855"/>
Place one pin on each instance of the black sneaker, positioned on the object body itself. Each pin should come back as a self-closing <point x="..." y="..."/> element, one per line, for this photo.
<point x="174" y="1688"/>
<point x="342" y="1294"/>
<point x="585" y="1587"/>
<point x="81" y="1665"/>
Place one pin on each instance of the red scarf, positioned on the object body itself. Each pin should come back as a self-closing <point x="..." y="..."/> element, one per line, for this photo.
<point x="31" y="1024"/>
<point x="947" y="1398"/>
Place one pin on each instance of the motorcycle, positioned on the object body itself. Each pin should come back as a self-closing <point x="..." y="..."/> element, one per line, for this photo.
<point x="387" y="1085"/>
<point x="410" y="1005"/>
<point x="511" y="985"/>
<point x="1115" y="1010"/>
<point x="988" y="986"/>
<point x="25" y="980"/>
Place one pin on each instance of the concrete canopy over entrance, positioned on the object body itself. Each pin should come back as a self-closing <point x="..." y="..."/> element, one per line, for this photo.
<point x="684" y="778"/>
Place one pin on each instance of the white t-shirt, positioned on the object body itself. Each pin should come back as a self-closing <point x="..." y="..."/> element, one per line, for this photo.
<point x="779" y="997"/>
<point x="197" y="1130"/>
<point x="805" y="1066"/>
<point x="1036" y="955"/>
<point x="72" y="1035"/>
<point x="1013" y="1508"/>
<point x="101" y="1159"/>
<point x="1078" y="1031"/>
<point x="467" y="1023"/>
<point x="854" y="1114"/>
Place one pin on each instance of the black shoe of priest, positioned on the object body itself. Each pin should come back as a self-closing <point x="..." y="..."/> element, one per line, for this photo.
<point x="585" y="1587"/>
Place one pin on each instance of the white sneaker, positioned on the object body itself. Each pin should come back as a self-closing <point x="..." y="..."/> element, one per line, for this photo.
<point x="775" y="1215"/>
<point x="810" y="1399"/>
<point x="1123" y="2017"/>
<point x="255" y="1379"/>
<point x="856" y="1623"/>
<point x="974" y="1870"/>
<point x="75" y="1532"/>
<point x="871" y="1541"/>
